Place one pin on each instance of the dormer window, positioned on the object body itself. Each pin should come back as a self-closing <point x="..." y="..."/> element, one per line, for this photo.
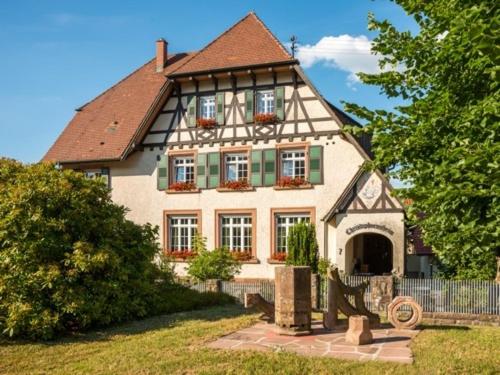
<point x="265" y="101"/>
<point x="207" y="107"/>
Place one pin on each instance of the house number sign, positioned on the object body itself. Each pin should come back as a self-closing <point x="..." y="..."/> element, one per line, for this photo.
<point x="382" y="228"/>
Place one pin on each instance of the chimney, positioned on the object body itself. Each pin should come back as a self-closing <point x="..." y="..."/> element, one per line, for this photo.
<point x="161" y="54"/>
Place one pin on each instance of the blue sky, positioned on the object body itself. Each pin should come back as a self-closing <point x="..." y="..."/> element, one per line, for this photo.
<point x="57" y="55"/>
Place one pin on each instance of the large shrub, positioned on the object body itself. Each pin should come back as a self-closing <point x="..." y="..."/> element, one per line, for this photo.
<point x="303" y="246"/>
<point x="68" y="257"/>
<point x="214" y="264"/>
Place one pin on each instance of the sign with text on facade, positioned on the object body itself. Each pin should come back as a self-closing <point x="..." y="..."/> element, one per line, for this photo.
<point x="382" y="228"/>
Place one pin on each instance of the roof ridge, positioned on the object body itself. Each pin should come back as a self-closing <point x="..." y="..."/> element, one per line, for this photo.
<point x="278" y="42"/>
<point x="114" y="85"/>
<point x="212" y="42"/>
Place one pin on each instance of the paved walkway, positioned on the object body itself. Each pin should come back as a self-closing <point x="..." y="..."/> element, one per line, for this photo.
<point x="389" y="344"/>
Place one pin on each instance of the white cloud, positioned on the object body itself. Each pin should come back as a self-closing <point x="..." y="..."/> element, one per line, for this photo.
<point x="351" y="54"/>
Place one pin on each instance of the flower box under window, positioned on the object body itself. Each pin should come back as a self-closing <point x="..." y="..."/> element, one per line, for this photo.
<point x="182" y="186"/>
<point x="235" y="185"/>
<point x="242" y="255"/>
<point x="206" y="123"/>
<point x="292" y="182"/>
<point x="266" y="118"/>
<point x="279" y="257"/>
<point x="182" y="254"/>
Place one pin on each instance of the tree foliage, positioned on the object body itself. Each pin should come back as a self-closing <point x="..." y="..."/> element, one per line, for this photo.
<point x="443" y="141"/>
<point x="303" y="246"/>
<point x="68" y="257"/>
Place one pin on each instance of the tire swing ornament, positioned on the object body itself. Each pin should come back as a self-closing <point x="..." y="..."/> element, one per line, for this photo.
<point x="412" y="321"/>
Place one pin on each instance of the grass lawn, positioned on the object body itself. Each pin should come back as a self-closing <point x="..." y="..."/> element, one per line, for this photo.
<point x="174" y="344"/>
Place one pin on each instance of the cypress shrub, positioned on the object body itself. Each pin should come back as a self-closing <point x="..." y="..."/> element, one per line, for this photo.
<point x="303" y="246"/>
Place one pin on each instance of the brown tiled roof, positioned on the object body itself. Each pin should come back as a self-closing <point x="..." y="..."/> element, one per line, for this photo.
<point x="248" y="42"/>
<point x="103" y="128"/>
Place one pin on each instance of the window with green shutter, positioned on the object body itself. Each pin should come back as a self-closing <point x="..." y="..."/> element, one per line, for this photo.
<point x="269" y="172"/>
<point x="279" y="97"/>
<point x="316" y="164"/>
<point x="201" y="171"/>
<point x="249" y="105"/>
<point x="256" y="168"/>
<point x="162" y="172"/>
<point x="219" y="102"/>
<point x="213" y="169"/>
<point x="191" y="111"/>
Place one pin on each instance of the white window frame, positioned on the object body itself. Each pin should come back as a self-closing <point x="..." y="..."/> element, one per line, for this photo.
<point x="95" y="174"/>
<point x="207" y="107"/>
<point x="233" y="226"/>
<point x="185" y="163"/>
<point x="295" y="157"/>
<point x="265" y="101"/>
<point x="190" y="229"/>
<point x="290" y="220"/>
<point x="240" y="161"/>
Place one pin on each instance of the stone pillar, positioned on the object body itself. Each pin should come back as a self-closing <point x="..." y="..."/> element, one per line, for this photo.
<point x="359" y="330"/>
<point x="213" y="285"/>
<point x="382" y="291"/>
<point x="293" y="300"/>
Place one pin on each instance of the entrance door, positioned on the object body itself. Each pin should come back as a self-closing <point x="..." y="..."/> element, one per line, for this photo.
<point x="377" y="253"/>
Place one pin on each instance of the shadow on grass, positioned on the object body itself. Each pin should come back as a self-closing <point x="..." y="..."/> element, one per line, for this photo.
<point x="136" y="327"/>
<point x="444" y="327"/>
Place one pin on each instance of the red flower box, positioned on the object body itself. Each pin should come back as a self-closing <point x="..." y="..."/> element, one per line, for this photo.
<point x="266" y="118"/>
<point x="241" y="255"/>
<point x="206" y="122"/>
<point x="280" y="257"/>
<point x="291" y="181"/>
<point x="181" y="254"/>
<point x="182" y="186"/>
<point x="235" y="185"/>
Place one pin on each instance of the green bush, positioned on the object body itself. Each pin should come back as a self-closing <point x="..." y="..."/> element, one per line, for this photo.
<point x="215" y="264"/>
<point x="68" y="257"/>
<point x="302" y="246"/>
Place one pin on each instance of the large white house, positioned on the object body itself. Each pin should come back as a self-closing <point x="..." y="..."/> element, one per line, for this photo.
<point x="234" y="142"/>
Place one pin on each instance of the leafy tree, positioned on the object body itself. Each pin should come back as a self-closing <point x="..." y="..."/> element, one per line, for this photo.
<point x="303" y="246"/>
<point x="215" y="264"/>
<point x="443" y="139"/>
<point x="68" y="257"/>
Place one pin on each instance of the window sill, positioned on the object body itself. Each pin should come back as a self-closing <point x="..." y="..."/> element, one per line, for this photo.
<point x="275" y="261"/>
<point x="227" y="190"/>
<point x="171" y="191"/>
<point x="306" y="186"/>
<point x="250" y="261"/>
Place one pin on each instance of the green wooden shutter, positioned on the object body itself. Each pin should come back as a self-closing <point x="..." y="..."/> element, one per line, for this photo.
<point x="269" y="167"/>
<point x="201" y="171"/>
<point x="279" y="98"/>
<point x="256" y="168"/>
<point x="316" y="164"/>
<point x="191" y="111"/>
<point x="249" y="105"/>
<point x="219" y="102"/>
<point x="213" y="169"/>
<point x="162" y="172"/>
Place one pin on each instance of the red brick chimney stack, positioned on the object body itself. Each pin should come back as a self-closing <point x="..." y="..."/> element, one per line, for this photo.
<point x="161" y="54"/>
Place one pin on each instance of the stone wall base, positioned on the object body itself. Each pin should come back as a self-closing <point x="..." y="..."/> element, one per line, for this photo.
<point x="461" y="319"/>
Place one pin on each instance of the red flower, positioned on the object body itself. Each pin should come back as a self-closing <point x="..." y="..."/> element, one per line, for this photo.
<point x="266" y="118"/>
<point x="291" y="181"/>
<point x="281" y="257"/>
<point x="235" y="185"/>
<point x="182" y="186"/>
<point x="206" y="122"/>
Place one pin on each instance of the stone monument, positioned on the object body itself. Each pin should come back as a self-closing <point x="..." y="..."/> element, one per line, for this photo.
<point x="293" y="300"/>
<point x="359" y="330"/>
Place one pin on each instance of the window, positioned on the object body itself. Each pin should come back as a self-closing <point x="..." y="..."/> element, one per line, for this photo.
<point x="236" y="232"/>
<point x="207" y="107"/>
<point x="265" y="101"/>
<point x="283" y="223"/>
<point x="293" y="163"/>
<point x="183" y="169"/>
<point x="236" y="167"/>
<point x="98" y="174"/>
<point x="181" y="227"/>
